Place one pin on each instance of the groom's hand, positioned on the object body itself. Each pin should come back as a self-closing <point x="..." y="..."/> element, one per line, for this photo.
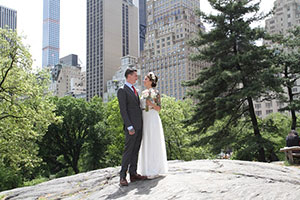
<point x="131" y="132"/>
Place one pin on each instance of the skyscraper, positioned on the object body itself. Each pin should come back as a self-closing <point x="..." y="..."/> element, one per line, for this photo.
<point x="170" y="24"/>
<point x="112" y="32"/>
<point x="51" y="25"/>
<point x="8" y="18"/>
<point x="142" y="22"/>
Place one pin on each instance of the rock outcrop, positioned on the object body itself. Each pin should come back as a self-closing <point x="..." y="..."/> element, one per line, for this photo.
<point x="201" y="179"/>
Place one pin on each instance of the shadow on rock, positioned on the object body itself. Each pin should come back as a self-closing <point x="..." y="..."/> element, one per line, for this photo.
<point x="143" y="188"/>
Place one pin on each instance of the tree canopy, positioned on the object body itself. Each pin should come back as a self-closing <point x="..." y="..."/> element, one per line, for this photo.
<point x="240" y="71"/>
<point x="25" y="107"/>
<point x="287" y="51"/>
<point x="81" y="126"/>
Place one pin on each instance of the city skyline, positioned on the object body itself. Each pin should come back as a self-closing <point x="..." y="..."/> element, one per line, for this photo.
<point x="30" y="25"/>
<point x="72" y="36"/>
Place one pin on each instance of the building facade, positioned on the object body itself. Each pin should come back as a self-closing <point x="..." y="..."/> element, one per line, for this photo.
<point x="170" y="24"/>
<point x="112" y="32"/>
<point x="51" y="26"/>
<point x="286" y="16"/>
<point x="118" y="80"/>
<point x="68" y="80"/>
<point x="264" y="108"/>
<point x="142" y="22"/>
<point x="78" y="86"/>
<point x="71" y="60"/>
<point x="8" y="18"/>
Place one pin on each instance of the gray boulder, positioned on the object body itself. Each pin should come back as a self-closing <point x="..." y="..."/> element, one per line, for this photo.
<point x="200" y="179"/>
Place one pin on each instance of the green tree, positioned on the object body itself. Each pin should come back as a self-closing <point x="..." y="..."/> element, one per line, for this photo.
<point x="239" y="71"/>
<point x="25" y="108"/>
<point x="239" y="139"/>
<point x="287" y="48"/>
<point x="115" y="132"/>
<point x="93" y="155"/>
<point x="275" y="128"/>
<point x="179" y="143"/>
<point x="82" y="126"/>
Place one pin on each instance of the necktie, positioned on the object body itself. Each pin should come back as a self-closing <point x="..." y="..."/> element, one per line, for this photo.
<point x="134" y="90"/>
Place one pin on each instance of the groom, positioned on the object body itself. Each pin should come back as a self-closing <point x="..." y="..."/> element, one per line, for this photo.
<point x="133" y="123"/>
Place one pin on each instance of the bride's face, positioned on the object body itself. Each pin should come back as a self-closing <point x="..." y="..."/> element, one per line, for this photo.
<point x="147" y="82"/>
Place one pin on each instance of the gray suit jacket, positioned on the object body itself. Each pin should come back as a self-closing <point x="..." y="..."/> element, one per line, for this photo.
<point x="130" y="108"/>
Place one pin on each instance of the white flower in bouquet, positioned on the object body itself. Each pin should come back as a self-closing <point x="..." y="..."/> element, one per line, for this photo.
<point x="153" y="94"/>
<point x="145" y="94"/>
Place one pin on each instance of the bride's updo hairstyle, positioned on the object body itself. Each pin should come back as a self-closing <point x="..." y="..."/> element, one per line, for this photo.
<point x="153" y="78"/>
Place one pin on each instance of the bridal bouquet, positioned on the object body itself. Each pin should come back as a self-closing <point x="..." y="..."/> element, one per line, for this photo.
<point x="149" y="94"/>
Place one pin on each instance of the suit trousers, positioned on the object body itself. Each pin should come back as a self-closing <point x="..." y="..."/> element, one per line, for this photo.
<point x="131" y="152"/>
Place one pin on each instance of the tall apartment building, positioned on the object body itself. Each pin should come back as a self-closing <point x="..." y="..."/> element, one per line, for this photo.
<point x="51" y="25"/>
<point x="286" y="16"/>
<point x="8" y="18"/>
<point x="112" y="32"/>
<point x="170" y="24"/>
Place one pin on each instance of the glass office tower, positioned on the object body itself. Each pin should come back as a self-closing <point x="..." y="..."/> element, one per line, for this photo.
<point x="51" y="24"/>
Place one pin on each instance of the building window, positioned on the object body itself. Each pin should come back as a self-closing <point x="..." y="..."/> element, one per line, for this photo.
<point x="258" y="113"/>
<point x="257" y="106"/>
<point x="279" y="104"/>
<point x="269" y="111"/>
<point x="269" y="105"/>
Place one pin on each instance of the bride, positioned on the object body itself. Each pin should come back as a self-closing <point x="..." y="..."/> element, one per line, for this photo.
<point x="152" y="159"/>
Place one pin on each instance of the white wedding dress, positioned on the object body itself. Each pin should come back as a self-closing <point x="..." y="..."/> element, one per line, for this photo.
<point x="152" y="159"/>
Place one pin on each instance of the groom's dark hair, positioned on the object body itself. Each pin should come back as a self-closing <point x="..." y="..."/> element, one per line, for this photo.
<point x="130" y="70"/>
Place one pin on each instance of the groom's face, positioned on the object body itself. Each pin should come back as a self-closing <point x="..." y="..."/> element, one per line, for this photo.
<point x="132" y="78"/>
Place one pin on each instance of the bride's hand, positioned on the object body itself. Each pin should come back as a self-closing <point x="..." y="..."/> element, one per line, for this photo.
<point x="154" y="106"/>
<point x="149" y="103"/>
